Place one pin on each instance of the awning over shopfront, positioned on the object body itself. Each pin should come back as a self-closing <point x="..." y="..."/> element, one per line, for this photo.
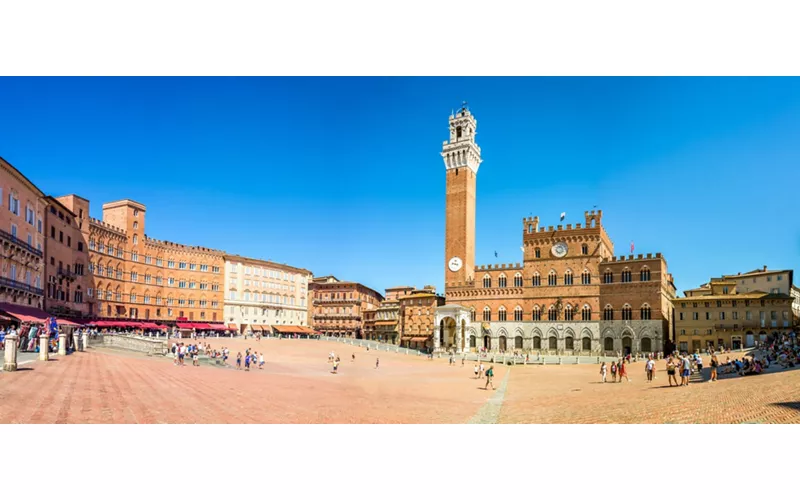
<point x="66" y="322"/>
<point x="25" y="314"/>
<point x="186" y="326"/>
<point x="303" y="330"/>
<point x="232" y="326"/>
<point x="386" y="323"/>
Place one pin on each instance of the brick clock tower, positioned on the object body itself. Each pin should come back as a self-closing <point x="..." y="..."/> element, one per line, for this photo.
<point x="462" y="157"/>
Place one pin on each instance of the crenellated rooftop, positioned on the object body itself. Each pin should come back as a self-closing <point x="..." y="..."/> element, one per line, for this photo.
<point x="497" y="267"/>
<point x="631" y="258"/>
<point x="109" y="227"/>
<point x="179" y="246"/>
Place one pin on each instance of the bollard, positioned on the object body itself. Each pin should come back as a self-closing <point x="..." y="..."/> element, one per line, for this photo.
<point x="44" y="347"/>
<point x="559" y="360"/>
<point x="85" y="341"/>
<point x="62" y="344"/>
<point x="10" y="361"/>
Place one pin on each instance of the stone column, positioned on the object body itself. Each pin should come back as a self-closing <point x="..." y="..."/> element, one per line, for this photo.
<point x="62" y="344"/>
<point x="459" y="336"/>
<point x="10" y="362"/>
<point x="436" y="338"/>
<point x="44" y="347"/>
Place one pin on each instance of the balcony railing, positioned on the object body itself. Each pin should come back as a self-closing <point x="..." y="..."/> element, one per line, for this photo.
<point x="20" y="286"/>
<point x="337" y="301"/>
<point x="13" y="239"/>
<point x="66" y="273"/>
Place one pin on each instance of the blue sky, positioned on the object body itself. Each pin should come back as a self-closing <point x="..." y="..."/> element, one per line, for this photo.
<point x="343" y="175"/>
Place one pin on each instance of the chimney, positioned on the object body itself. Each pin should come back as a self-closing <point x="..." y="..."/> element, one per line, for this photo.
<point x="765" y="268"/>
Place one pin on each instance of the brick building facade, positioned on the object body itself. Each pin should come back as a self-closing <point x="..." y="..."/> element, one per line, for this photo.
<point x="338" y="306"/>
<point x="66" y="253"/>
<point x="569" y="295"/>
<point x="134" y="276"/>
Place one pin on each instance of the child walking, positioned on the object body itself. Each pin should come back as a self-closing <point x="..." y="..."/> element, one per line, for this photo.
<point x="603" y="371"/>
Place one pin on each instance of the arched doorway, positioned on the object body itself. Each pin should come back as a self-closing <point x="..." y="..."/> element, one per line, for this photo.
<point x="472" y="342"/>
<point x="463" y="335"/>
<point x="627" y="346"/>
<point x="537" y="342"/>
<point x="487" y="342"/>
<point x="502" y="342"/>
<point x="552" y="343"/>
<point x="608" y="344"/>
<point x="518" y="342"/>
<point x="586" y="344"/>
<point x="569" y="344"/>
<point x="647" y="346"/>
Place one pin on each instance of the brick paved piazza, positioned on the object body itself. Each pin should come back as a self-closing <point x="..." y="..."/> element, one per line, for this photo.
<point x="296" y="386"/>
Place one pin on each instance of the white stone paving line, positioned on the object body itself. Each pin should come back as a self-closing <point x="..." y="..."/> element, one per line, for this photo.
<point x="490" y="411"/>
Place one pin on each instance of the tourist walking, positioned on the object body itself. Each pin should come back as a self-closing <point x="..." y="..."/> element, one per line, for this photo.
<point x="623" y="371"/>
<point x="671" y="366"/>
<point x="489" y="376"/>
<point x="476" y="370"/>
<point x="239" y="361"/>
<point x="480" y="375"/>
<point x="603" y="371"/>
<point x="699" y="364"/>
<point x="686" y="370"/>
<point x="377" y="362"/>
<point x="261" y="361"/>
<point x="247" y="363"/>
<point x="649" y="367"/>
<point x="335" y="366"/>
<point x="353" y="359"/>
<point x="714" y="365"/>
<point x="613" y="372"/>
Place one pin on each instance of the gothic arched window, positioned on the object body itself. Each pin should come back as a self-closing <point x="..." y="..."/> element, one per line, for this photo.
<point x="645" y="311"/>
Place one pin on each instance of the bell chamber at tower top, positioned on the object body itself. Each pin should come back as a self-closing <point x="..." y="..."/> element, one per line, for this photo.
<point x="462" y="150"/>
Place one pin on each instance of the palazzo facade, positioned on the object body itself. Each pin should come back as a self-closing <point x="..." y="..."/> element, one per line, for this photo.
<point x="569" y="295"/>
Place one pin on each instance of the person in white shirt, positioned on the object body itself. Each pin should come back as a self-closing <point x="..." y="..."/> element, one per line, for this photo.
<point x="649" y="367"/>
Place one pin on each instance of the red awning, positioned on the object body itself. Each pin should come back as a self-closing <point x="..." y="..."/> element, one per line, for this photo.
<point x="202" y="326"/>
<point x="25" y="313"/>
<point x="187" y="326"/>
<point x="152" y="326"/>
<point x="65" y="322"/>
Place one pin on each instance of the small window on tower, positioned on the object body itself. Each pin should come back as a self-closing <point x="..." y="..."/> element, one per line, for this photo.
<point x="458" y="132"/>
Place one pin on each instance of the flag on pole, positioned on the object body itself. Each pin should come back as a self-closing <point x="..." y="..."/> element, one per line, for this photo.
<point x="631" y="247"/>
<point x="563" y="214"/>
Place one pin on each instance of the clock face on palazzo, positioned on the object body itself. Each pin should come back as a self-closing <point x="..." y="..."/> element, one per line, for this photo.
<point x="455" y="264"/>
<point x="559" y="249"/>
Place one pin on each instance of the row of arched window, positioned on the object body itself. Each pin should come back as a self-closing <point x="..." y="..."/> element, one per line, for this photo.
<point x="569" y="313"/>
<point x="568" y="279"/>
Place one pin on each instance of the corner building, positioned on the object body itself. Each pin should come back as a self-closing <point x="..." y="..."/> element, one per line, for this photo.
<point x="570" y="295"/>
<point x="22" y="212"/>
